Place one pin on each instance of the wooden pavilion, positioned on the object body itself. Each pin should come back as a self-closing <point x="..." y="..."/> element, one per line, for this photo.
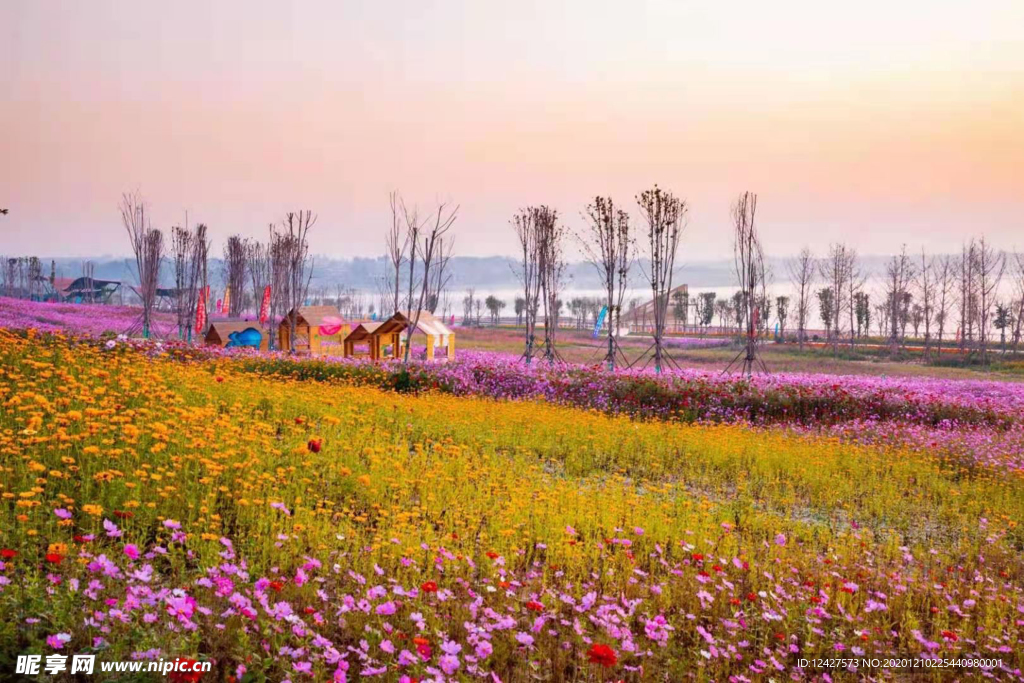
<point x="317" y="328"/>
<point x="393" y="331"/>
<point x="364" y="333"/>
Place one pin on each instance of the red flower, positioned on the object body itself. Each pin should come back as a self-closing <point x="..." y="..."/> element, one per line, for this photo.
<point x="751" y="597"/>
<point x="423" y="647"/>
<point x="80" y="539"/>
<point x="491" y="554"/>
<point x="602" y="654"/>
<point x="8" y="554"/>
<point x="184" y="672"/>
<point x="54" y="558"/>
<point x="535" y="606"/>
<point x="277" y="585"/>
<point x="309" y="609"/>
<point x="697" y="557"/>
<point x="220" y="379"/>
<point x="314" y="445"/>
<point x="949" y="635"/>
<point x="429" y="587"/>
<point x="123" y="515"/>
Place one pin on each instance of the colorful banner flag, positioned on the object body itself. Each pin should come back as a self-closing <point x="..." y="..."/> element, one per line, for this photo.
<point x="219" y="308"/>
<point x="265" y="306"/>
<point x="200" y="314"/>
<point x="600" y="321"/>
<point x="227" y="301"/>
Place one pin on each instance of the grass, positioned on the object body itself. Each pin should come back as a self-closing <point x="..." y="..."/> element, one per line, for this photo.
<point x="580" y="347"/>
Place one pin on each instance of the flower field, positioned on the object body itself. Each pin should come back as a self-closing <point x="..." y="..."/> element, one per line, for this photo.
<point x="84" y="319"/>
<point x="161" y="504"/>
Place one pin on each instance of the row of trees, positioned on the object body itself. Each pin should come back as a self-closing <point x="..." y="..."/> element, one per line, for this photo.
<point x="931" y="295"/>
<point x="612" y="246"/>
<point x="283" y="262"/>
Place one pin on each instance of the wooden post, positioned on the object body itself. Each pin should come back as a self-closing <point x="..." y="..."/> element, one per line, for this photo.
<point x="430" y="347"/>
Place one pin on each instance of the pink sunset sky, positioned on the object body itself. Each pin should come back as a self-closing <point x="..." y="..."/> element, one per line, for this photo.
<point x="875" y="123"/>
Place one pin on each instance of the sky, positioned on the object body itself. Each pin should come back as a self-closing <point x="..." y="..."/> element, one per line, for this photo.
<point x="872" y="123"/>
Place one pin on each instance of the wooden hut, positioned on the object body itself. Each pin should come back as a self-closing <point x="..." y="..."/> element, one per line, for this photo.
<point x="220" y="331"/>
<point x="394" y="330"/>
<point x="364" y="333"/>
<point x="318" y="330"/>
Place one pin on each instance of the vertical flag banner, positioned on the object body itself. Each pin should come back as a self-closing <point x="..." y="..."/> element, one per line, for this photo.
<point x="600" y="321"/>
<point x="220" y="308"/>
<point x="227" y="301"/>
<point x="265" y="306"/>
<point x="200" y="314"/>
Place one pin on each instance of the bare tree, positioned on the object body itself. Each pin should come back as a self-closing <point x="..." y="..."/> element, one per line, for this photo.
<point x="468" y="303"/>
<point x="925" y="281"/>
<point x="782" y="313"/>
<point x="259" y="265"/>
<point x="991" y="264"/>
<point x="836" y="272"/>
<point x="551" y="268"/>
<point x="441" y="275"/>
<point x="899" y="274"/>
<point x="1017" y="262"/>
<point x="280" y="248"/>
<point x="295" y="240"/>
<point x="190" y="250"/>
<point x="665" y="215"/>
<point x="397" y="242"/>
<point x="802" y="270"/>
<point x="147" y="247"/>
<point x="854" y="284"/>
<point x="610" y="248"/>
<point x="945" y="280"/>
<point x="751" y="274"/>
<point x="235" y="265"/>
<point x="181" y="253"/>
<point x="425" y="241"/>
<point x="528" y="273"/>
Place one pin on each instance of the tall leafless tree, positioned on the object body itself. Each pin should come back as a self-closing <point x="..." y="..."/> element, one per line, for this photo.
<point x="924" y="280"/>
<point x="991" y="265"/>
<point x="609" y="247"/>
<point x="528" y="272"/>
<point x="751" y="273"/>
<point x="147" y="247"/>
<point x="1017" y="273"/>
<point x="236" y="264"/>
<point x="280" y="249"/>
<point x="259" y="266"/>
<point x="425" y="241"/>
<point x="441" y="275"/>
<point x="551" y="269"/>
<point x="836" y="272"/>
<point x="295" y="239"/>
<point x="666" y="216"/>
<point x="899" y="275"/>
<point x="802" y="271"/>
<point x="190" y="250"/>
<point x="397" y="243"/>
<point x="944" y="268"/>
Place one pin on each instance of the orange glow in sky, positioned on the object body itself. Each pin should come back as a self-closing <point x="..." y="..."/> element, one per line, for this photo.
<point x="876" y="123"/>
